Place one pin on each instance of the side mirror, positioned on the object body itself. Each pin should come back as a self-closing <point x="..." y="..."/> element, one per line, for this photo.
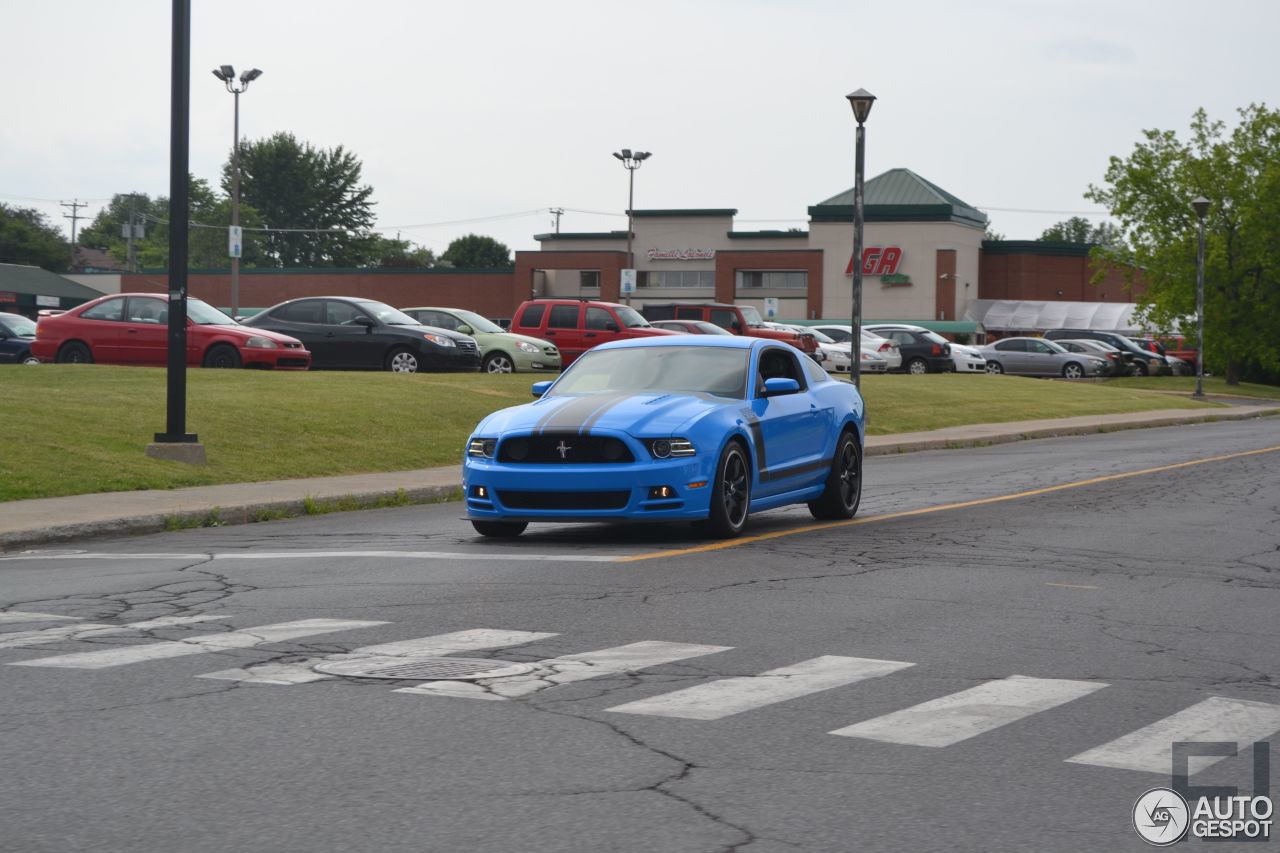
<point x="540" y="388"/>
<point x="367" y="322"/>
<point x="611" y="326"/>
<point x="464" y="329"/>
<point x="779" y="385"/>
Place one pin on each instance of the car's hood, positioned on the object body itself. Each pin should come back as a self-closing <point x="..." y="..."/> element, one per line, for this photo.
<point x="640" y="414"/>
<point x="496" y="338"/>
<point x="246" y="332"/>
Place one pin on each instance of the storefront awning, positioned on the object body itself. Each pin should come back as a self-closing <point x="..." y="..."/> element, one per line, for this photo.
<point x="1012" y="315"/>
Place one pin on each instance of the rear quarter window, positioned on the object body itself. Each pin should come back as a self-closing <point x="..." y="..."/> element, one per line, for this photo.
<point x="531" y="316"/>
<point x="563" y="317"/>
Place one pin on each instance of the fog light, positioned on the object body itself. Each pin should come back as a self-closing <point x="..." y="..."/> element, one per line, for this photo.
<point x="659" y="492"/>
<point x="480" y="492"/>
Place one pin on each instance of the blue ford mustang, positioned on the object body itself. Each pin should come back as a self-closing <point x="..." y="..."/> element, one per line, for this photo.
<point x="688" y="428"/>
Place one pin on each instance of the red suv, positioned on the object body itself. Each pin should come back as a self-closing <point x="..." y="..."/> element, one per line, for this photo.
<point x="577" y="325"/>
<point x="738" y="319"/>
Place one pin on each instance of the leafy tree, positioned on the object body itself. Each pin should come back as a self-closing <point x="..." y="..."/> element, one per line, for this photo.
<point x="26" y="237"/>
<point x="1077" y="229"/>
<point x="992" y="235"/>
<point x="403" y="254"/>
<point x="1150" y="193"/>
<point x="296" y="186"/>
<point x="476" y="252"/>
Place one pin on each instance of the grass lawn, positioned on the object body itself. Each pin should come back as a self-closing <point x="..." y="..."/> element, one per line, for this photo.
<point x="72" y="429"/>
<point x="1187" y="384"/>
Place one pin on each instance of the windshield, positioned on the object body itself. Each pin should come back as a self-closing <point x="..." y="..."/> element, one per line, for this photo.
<point x="712" y="329"/>
<point x="20" y="325"/>
<point x="388" y="315"/>
<point x="478" y="323"/>
<point x="721" y="371"/>
<point x="204" y="314"/>
<point x="822" y="338"/>
<point x="751" y="315"/>
<point x="631" y="318"/>
<point x="934" y="337"/>
<point x="1053" y="345"/>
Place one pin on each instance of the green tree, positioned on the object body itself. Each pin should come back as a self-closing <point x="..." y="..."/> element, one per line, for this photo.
<point x="476" y="252"/>
<point x="26" y="237"/>
<point x="992" y="235"/>
<point x="318" y="211"/>
<point x="1150" y="193"/>
<point x="403" y="254"/>
<point x="1077" y="229"/>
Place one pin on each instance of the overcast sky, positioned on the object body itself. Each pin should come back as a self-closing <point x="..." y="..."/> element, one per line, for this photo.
<point x="497" y="111"/>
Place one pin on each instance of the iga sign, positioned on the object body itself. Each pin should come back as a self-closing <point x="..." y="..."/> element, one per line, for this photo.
<point x="681" y="254"/>
<point x="878" y="260"/>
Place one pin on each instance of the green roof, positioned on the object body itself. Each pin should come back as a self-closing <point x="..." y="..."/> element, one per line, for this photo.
<point x="34" y="281"/>
<point x="899" y="195"/>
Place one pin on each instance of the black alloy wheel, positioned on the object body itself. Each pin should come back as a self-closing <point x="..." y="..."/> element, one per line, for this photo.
<point x="74" y="353"/>
<point x="223" y="356"/>
<point x="843" y="493"/>
<point x="731" y="496"/>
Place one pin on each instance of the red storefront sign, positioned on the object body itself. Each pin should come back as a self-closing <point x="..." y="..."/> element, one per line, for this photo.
<point x="877" y="260"/>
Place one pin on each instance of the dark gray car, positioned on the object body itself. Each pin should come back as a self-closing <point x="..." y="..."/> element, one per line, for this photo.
<point x="1038" y="357"/>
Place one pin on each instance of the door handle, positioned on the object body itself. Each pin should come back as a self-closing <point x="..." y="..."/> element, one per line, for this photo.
<point x="132" y="331"/>
<point x="550" y="334"/>
<point x="589" y="335"/>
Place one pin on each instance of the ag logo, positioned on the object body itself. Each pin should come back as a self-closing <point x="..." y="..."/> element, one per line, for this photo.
<point x="1160" y="817"/>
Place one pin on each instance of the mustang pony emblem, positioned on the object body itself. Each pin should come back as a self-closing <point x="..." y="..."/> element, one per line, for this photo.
<point x="564" y="449"/>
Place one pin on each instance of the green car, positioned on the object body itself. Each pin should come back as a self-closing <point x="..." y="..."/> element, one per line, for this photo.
<point x="500" y="351"/>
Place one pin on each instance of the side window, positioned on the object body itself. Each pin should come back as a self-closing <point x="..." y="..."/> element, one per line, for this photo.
<point x="599" y="319"/>
<point x="840" y="336"/>
<point x="816" y="373"/>
<point x="563" y="317"/>
<point x="724" y="318"/>
<point x="658" y="312"/>
<point x="145" y="310"/>
<point x="341" y="313"/>
<point x="905" y="339"/>
<point x="1036" y="346"/>
<point x="687" y="312"/>
<point x="1012" y="346"/>
<point x="777" y="363"/>
<point x="440" y="320"/>
<point x="306" y="311"/>
<point x="532" y="315"/>
<point x="112" y="309"/>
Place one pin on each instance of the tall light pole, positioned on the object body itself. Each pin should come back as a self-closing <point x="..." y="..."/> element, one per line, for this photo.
<point x="861" y="102"/>
<point x="1200" y="205"/>
<point x="632" y="162"/>
<point x="227" y="75"/>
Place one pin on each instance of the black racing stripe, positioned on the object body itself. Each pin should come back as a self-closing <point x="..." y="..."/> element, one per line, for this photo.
<point x="757" y="438"/>
<point x="795" y="471"/>
<point x="542" y="424"/>
<point x="573" y="414"/>
<point x="600" y="412"/>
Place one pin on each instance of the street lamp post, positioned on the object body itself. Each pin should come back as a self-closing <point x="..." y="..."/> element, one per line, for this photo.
<point x="861" y="102"/>
<point x="631" y="161"/>
<point x="227" y="74"/>
<point x="1200" y="205"/>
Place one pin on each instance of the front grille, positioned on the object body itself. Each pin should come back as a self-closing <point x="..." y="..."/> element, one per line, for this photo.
<point x="567" y="448"/>
<point x="563" y="500"/>
<point x="467" y="346"/>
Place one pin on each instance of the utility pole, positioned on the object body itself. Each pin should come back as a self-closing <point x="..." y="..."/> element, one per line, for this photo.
<point x="133" y="229"/>
<point x="557" y="212"/>
<point x="74" y="216"/>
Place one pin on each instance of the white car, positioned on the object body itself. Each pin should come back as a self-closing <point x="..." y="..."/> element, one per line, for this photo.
<point x="885" y="348"/>
<point x="837" y="354"/>
<point x="966" y="359"/>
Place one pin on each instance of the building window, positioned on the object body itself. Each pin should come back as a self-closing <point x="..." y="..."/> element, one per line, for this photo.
<point x="772" y="280"/>
<point x="676" y="278"/>
<point x="589" y="279"/>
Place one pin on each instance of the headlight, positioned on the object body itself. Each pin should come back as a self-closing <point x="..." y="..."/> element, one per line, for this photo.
<point x="665" y="448"/>
<point x="440" y="340"/>
<point x="525" y="346"/>
<point x="261" y="343"/>
<point x="484" y="447"/>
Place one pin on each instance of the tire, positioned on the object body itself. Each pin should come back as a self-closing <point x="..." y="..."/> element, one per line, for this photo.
<point x="731" y="496"/>
<point x="223" y="356"/>
<point x="1072" y="371"/>
<point x="498" y="362"/>
<point x="74" y="353"/>
<point x="995" y="368"/>
<point x="500" y="529"/>
<point x="402" y="360"/>
<point x="1139" y="368"/>
<point x="840" y="499"/>
<point x="917" y="366"/>
<point x="29" y="359"/>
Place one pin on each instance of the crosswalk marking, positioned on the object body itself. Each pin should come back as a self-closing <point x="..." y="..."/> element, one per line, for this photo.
<point x="1215" y="719"/>
<point x="21" y="616"/>
<point x="300" y="672"/>
<point x="246" y="638"/>
<point x="969" y="713"/>
<point x="569" y="668"/>
<point x="87" y="630"/>
<point x="729" y="696"/>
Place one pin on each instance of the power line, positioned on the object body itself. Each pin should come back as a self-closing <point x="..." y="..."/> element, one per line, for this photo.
<point x="75" y="216"/>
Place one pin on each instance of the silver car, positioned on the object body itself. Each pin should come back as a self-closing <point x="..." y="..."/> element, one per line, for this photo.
<point x="1039" y="357"/>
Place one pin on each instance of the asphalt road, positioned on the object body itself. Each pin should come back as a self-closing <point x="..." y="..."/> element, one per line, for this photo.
<point x="993" y="668"/>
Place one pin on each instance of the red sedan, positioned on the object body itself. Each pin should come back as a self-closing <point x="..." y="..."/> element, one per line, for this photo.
<point x="133" y="328"/>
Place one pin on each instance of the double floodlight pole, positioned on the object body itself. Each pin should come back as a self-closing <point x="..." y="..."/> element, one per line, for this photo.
<point x="861" y="102"/>
<point x="227" y="74"/>
<point x="631" y="160"/>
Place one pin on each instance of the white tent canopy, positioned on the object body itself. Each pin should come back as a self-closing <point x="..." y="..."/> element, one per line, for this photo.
<point x="1012" y="315"/>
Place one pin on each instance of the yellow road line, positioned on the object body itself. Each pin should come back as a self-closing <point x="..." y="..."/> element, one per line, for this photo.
<point x="831" y="525"/>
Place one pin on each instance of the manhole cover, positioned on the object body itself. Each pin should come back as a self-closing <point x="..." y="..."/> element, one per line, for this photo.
<point x="422" y="668"/>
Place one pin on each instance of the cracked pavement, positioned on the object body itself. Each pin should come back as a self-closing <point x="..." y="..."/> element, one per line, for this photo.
<point x="1163" y="586"/>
